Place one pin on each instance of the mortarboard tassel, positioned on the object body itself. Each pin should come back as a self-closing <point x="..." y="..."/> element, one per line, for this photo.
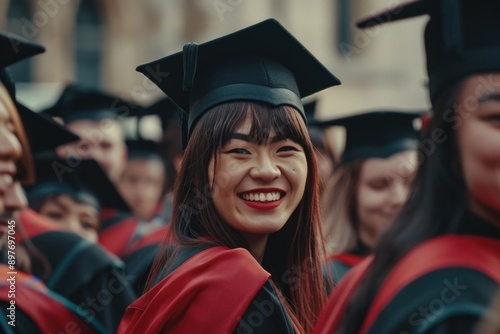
<point x="190" y="61"/>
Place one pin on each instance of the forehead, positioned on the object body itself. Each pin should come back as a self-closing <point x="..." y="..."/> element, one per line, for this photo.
<point x="71" y="204"/>
<point x="106" y="129"/>
<point x="400" y="164"/>
<point x="245" y="127"/>
<point x="479" y="85"/>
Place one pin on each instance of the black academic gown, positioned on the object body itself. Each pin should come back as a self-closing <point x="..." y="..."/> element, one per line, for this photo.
<point x="27" y="306"/>
<point x="81" y="271"/>
<point x="443" y="286"/>
<point x="211" y="290"/>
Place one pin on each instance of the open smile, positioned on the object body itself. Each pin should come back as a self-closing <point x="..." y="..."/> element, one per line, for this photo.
<point x="262" y="200"/>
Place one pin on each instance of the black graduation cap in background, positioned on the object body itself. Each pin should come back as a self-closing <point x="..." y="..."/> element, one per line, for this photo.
<point x="377" y="134"/>
<point x="164" y="108"/>
<point x="143" y="149"/>
<point x="84" y="180"/>
<point x="263" y="62"/>
<point x="79" y="102"/>
<point x="462" y="37"/>
<point x="43" y="133"/>
<point x="14" y="48"/>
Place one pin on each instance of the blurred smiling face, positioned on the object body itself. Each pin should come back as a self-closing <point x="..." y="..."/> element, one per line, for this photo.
<point x="12" y="198"/>
<point x="478" y="140"/>
<point x="382" y="191"/>
<point x="105" y="144"/>
<point x="257" y="186"/>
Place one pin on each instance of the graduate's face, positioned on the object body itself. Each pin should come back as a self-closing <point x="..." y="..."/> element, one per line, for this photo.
<point x="141" y="184"/>
<point x="256" y="187"/>
<point x="382" y="190"/>
<point x="478" y="140"/>
<point x="80" y="218"/>
<point x="100" y="140"/>
<point x="11" y="194"/>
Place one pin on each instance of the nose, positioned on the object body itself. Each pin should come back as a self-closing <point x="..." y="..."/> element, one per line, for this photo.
<point x="14" y="198"/>
<point x="10" y="147"/>
<point x="399" y="193"/>
<point x="73" y="224"/>
<point x="265" y="168"/>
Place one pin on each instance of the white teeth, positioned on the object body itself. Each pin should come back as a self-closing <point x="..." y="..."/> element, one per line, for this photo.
<point x="261" y="197"/>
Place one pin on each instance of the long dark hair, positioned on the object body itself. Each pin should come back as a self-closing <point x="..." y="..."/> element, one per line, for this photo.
<point x="435" y="207"/>
<point x="292" y="254"/>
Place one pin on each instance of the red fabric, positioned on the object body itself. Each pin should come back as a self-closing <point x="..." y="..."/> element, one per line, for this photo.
<point x="346" y="258"/>
<point x="116" y="238"/>
<point x="478" y="253"/>
<point x="208" y="293"/>
<point x="333" y="310"/>
<point x="47" y="313"/>
<point x="35" y="224"/>
<point x="107" y="213"/>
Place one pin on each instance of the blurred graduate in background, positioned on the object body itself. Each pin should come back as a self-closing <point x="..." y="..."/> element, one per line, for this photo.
<point x="367" y="191"/>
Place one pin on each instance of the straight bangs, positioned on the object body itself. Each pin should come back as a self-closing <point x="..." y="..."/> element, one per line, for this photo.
<point x="285" y="121"/>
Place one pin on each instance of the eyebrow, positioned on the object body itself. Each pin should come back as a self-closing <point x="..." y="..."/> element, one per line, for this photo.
<point x="250" y="139"/>
<point x="58" y="203"/>
<point x="489" y="97"/>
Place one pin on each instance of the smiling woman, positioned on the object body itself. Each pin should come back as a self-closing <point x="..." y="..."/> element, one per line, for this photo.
<point x="246" y="215"/>
<point x="436" y="269"/>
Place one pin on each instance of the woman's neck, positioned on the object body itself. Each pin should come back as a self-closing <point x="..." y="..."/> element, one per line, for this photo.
<point x="257" y="244"/>
<point x="484" y="212"/>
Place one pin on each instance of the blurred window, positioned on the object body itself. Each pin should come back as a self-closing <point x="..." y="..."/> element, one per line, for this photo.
<point x="89" y="38"/>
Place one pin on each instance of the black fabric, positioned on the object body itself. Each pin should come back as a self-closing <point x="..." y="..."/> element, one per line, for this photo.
<point x="377" y="134"/>
<point x="333" y="272"/>
<point x="138" y="266"/>
<point x="184" y="254"/>
<point x="16" y="48"/>
<point x="265" y="314"/>
<point x="472" y="224"/>
<point x="43" y="133"/>
<point x="434" y="302"/>
<point x="85" y="182"/>
<point x="78" y="102"/>
<point x="86" y="275"/>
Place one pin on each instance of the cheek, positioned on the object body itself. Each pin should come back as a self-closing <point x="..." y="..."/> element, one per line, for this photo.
<point x="480" y="161"/>
<point x="369" y="201"/>
<point x="226" y="175"/>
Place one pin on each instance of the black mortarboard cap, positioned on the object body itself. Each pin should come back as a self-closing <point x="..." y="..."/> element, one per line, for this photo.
<point x="14" y="48"/>
<point x="83" y="180"/>
<point x="462" y="37"/>
<point x="377" y="134"/>
<point x="263" y="62"/>
<point x="43" y="133"/>
<point x="166" y="110"/>
<point x="79" y="102"/>
<point x="143" y="149"/>
<point x="310" y="111"/>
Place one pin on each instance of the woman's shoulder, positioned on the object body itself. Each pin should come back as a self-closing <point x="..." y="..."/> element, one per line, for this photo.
<point x="220" y="262"/>
<point x="211" y="288"/>
<point x="447" y="276"/>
